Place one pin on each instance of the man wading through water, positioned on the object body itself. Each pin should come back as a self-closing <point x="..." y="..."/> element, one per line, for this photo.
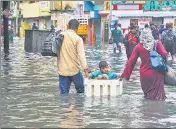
<point x="117" y="36"/>
<point x="130" y="41"/>
<point x="168" y="38"/>
<point x="72" y="57"/>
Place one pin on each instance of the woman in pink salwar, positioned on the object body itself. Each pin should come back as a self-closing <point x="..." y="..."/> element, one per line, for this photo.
<point x="152" y="81"/>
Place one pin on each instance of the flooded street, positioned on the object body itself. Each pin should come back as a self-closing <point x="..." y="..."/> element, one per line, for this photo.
<point x="30" y="96"/>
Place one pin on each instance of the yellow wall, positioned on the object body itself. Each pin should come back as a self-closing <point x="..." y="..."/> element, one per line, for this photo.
<point x="30" y="10"/>
<point x="24" y="26"/>
<point x="72" y="4"/>
<point x="37" y="9"/>
<point x="44" y="8"/>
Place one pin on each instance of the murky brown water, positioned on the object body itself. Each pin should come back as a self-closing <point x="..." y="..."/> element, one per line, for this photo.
<point x="30" y="96"/>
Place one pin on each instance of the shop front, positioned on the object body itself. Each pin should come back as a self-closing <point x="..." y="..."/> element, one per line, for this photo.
<point x="94" y="27"/>
<point x="140" y="14"/>
<point x="141" y="18"/>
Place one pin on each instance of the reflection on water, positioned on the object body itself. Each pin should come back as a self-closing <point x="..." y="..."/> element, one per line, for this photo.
<point x="30" y="96"/>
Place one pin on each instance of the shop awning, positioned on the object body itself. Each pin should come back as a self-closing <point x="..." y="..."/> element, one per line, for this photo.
<point x="161" y="14"/>
<point x="141" y="13"/>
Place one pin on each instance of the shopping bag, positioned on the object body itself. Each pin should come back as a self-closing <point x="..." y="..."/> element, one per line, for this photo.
<point x="157" y="61"/>
<point x="52" y="44"/>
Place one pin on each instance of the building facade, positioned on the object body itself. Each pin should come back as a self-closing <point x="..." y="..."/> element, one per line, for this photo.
<point x="158" y="12"/>
<point x="35" y="12"/>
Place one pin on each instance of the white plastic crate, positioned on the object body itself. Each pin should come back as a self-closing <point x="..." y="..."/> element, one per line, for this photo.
<point x="103" y="87"/>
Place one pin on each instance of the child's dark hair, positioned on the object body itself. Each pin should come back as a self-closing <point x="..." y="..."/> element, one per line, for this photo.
<point x="103" y="64"/>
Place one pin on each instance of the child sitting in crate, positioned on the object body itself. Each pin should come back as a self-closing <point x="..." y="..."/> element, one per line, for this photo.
<point x="104" y="73"/>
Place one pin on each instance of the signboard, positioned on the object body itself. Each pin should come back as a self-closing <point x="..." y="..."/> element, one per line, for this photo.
<point x="134" y="21"/>
<point x="44" y="8"/>
<point x="53" y="16"/>
<point x="127" y="7"/>
<point x="160" y="5"/>
<point x="166" y="8"/>
<point x="44" y="4"/>
<point x="107" y="5"/>
<point x="81" y="9"/>
<point x="66" y="5"/>
<point x="143" y="21"/>
<point x="92" y="15"/>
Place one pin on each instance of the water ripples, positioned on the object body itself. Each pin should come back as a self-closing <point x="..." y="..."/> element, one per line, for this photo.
<point x="30" y="95"/>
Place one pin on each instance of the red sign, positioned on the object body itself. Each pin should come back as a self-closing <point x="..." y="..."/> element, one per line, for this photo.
<point x="127" y="7"/>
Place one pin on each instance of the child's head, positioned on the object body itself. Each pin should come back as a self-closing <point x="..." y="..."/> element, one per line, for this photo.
<point x="104" y="67"/>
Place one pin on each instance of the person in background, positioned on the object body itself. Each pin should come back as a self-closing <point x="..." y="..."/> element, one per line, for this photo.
<point x="52" y="28"/>
<point x="152" y="81"/>
<point x="11" y="34"/>
<point x="138" y="31"/>
<point x="34" y="26"/>
<point x="116" y="35"/>
<point x="132" y="24"/>
<point x="56" y="27"/>
<point x="71" y="59"/>
<point x="130" y="41"/>
<point x="165" y="29"/>
<point x="127" y="31"/>
<point x="146" y="26"/>
<point x="155" y="31"/>
<point x="119" y="26"/>
<point x="45" y="27"/>
<point x="161" y="29"/>
<point x="168" y="38"/>
<point x="104" y="72"/>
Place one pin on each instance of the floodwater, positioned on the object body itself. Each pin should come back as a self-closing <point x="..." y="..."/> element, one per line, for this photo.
<point x="30" y="96"/>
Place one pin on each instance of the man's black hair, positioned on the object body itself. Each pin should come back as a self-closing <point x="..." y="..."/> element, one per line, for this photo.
<point x="119" y="25"/>
<point x="146" y="26"/>
<point x="73" y="24"/>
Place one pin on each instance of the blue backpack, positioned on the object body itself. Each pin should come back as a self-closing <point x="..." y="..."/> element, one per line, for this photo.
<point x="157" y="61"/>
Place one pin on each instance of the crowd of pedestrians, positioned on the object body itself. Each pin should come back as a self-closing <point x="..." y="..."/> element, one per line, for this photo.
<point x="131" y="37"/>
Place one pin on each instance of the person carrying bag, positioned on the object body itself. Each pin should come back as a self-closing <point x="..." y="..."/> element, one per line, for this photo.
<point x="159" y="63"/>
<point x="170" y="76"/>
